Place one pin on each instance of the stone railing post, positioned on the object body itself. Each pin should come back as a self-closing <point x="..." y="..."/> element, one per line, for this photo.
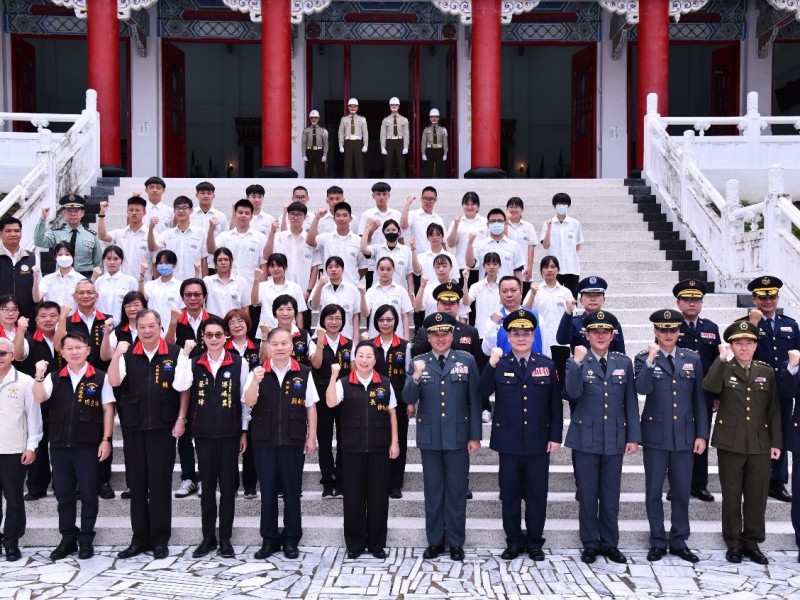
<point x="730" y="228"/>
<point x="775" y="222"/>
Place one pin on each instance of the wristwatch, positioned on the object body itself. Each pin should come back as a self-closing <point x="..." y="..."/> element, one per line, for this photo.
<point x="106" y="438"/>
<point x="182" y="418"/>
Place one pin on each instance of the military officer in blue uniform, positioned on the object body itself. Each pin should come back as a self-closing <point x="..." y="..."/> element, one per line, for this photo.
<point x="674" y="426"/>
<point x="526" y="429"/>
<point x="790" y="380"/>
<point x="603" y="427"/>
<point x="592" y="293"/>
<point x="444" y="386"/>
<point x="777" y="335"/>
<point x="702" y="336"/>
<point x="88" y="253"/>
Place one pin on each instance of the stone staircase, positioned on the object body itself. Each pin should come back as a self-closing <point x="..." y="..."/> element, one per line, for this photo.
<point x="628" y="242"/>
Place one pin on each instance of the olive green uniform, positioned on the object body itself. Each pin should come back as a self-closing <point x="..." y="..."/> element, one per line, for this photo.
<point x="434" y="150"/>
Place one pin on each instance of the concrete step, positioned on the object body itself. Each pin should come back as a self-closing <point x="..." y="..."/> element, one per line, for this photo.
<point x="651" y="297"/>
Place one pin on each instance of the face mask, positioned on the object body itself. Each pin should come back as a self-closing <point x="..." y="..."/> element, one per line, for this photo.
<point x="165" y="270"/>
<point x="64" y="261"/>
<point x="391" y="237"/>
<point x="496" y="228"/>
<point x="561" y="209"/>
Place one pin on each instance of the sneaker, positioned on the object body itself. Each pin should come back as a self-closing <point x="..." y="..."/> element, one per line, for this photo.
<point x="250" y="494"/>
<point x="199" y="489"/>
<point x="187" y="488"/>
<point x="486" y="416"/>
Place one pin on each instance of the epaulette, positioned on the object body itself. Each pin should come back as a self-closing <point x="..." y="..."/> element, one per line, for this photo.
<point x="618" y="353"/>
<point x="761" y="362"/>
<point x="89" y="230"/>
<point x="689" y="350"/>
<point x="464" y="352"/>
<point x="787" y="317"/>
<point x="641" y="352"/>
<point x="540" y="355"/>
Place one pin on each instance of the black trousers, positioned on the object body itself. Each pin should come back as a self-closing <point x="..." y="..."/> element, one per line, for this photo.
<point x="249" y="476"/>
<point x="353" y="159"/>
<point x="796" y="497"/>
<point x="104" y="472"/>
<point x="186" y="454"/>
<point x="395" y="160"/>
<point x="315" y="168"/>
<point x="366" y="499"/>
<point x="570" y="282"/>
<point x="473" y="279"/>
<point x="524" y="477"/>
<point x="436" y="165"/>
<point x="39" y="473"/>
<point x="12" y="479"/>
<point x="328" y="421"/>
<point x="73" y="469"/>
<point x="779" y="475"/>
<point x="398" y="465"/>
<point x="219" y="463"/>
<point x="152" y="460"/>
<point x="280" y="467"/>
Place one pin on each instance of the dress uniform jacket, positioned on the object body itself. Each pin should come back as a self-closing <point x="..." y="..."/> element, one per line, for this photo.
<point x="307" y="140"/>
<point x="789" y="389"/>
<point x="428" y="141"/>
<point x="465" y="338"/>
<point x="606" y="413"/>
<point x="773" y="346"/>
<point x="279" y="416"/>
<point x="571" y="331"/>
<point x="674" y="413"/>
<point x="705" y="341"/>
<point x="527" y="409"/>
<point x="388" y="131"/>
<point x="17" y="278"/>
<point x="88" y="253"/>
<point x="353" y="126"/>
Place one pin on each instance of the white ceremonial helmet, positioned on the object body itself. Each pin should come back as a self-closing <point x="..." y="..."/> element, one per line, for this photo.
<point x="434" y="112"/>
<point x="314" y="113"/>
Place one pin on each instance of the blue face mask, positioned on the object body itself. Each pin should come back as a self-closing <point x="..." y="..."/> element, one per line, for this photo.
<point x="561" y="209"/>
<point x="164" y="269"/>
<point x="496" y="228"/>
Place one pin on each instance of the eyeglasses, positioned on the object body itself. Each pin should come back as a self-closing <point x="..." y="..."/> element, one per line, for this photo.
<point x="211" y="335"/>
<point x="236" y="322"/>
<point x="4" y="353"/>
<point x="10" y="309"/>
<point x="193" y="294"/>
<point x="182" y="208"/>
<point x="334" y="319"/>
<point x="136" y="306"/>
<point x="74" y="348"/>
<point x="520" y="333"/>
<point x="386" y="320"/>
<point x="667" y="329"/>
<point x="296" y="215"/>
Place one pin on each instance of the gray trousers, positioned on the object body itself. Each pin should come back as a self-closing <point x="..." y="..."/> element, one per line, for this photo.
<point x="658" y="465"/>
<point x="598" y="477"/>
<point x="444" y="475"/>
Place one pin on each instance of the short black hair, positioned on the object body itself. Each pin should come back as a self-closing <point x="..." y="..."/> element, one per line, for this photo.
<point x="127" y="299"/>
<point x="562" y="198"/>
<point x="297" y="207"/>
<point x="546" y="262"/>
<point x="183" y="200"/>
<point x="342" y="206"/>
<point x="299" y="187"/>
<point x="433" y="228"/>
<point x="64" y="246"/>
<point x="155" y="181"/>
<point x="388" y="222"/>
<point x="509" y="278"/>
<point x="365" y="344"/>
<point x="330" y="309"/>
<point x="430" y="188"/>
<point x="334" y="189"/>
<point x="382" y="310"/>
<point x="212" y="320"/>
<point x="254" y="189"/>
<point x="381" y="186"/>
<point x="283" y="300"/>
<point x="194" y="281"/>
<point x="492" y="257"/>
<point x="46" y="305"/>
<point x="496" y="211"/>
<point x="515" y="201"/>
<point x="334" y="259"/>
<point x="204" y="186"/>
<point x="75" y="335"/>
<point x="225" y="251"/>
<point x="471" y="197"/>
<point x="137" y="201"/>
<point x="171" y="257"/>
<point x="115" y="249"/>
<point x="278" y="259"/>
<point x="9" y="221"/>
<point x="243" y="203"/>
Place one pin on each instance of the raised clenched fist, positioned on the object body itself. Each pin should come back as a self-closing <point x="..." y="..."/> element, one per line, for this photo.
<point x="153" y="222"/>
<point x="497" y="316"/>
<point x="335" y="368"/>
<point x="188" y="346"/>
<point x="175" y="314"/>
<point x="103" y="207"/>
<point x="495" y="356"/>
<point x="579" y="354"/>
<point x="108" y="326"/>
<point x="121" y="348"/>
<point x="755" y="316"/>
<point x="41" y="368"/>
<point x="724" y="349"/>
<point x="652" y="352"/>
<point x="45" y="212"/>
<point x="22" y="324"/>
<point x="320" y="212"/>
<point x="419" y="367"/>
<point x="258" y="374"/>
<point x="794" y="356"/>
<point x="571" y="303"/>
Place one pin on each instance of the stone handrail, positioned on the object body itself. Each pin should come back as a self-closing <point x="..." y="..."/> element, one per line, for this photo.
<point x="70" y="165"/>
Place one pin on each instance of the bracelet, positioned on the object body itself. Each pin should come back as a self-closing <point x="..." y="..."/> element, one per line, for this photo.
<point x="309" y="290"/>
<point x="101" y="216"/>
<point x="106" y="438"/>
<point x="39" y="380"/>
<point x="183" y="419"/>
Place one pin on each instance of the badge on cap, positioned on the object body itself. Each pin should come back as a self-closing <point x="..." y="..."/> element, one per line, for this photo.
<point x="438" y="317"/>
<point x="667" y="314"/>
<point x="600" y="314"/>
<point x="766" y="281"/>
<point x="592" y="280"/>
<point x="743" y="325"/>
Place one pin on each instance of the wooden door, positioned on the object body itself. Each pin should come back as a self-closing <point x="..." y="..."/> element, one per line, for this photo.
<point x="24" y="76"/>
<point x="584" y="88"/>
<point x="174" y="86"/>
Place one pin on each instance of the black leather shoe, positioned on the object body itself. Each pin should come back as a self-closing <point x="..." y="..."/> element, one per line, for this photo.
<point x="536" y="554"/>
<point x="105" y="491"/>
<point x="469" y="494"/>
<point x="31" y="497"/>
<point x="432" y="552"/>
<point x="684" y="554"/>
<point x="131" y="551"/>
<point x="589" y="555"/>
<point x="510" y="553"/>
<point x="13" y="554"/>
<point x="702" y="494"/>
<point x="226" y="549"/>
<point x="669" y="495"/>
<point x="379" y="554"/>
<point x="291" y="551"/>
<point x="86" y="550"/>
<point x="734" y="555"/>
<point x="206" y="546"/>
<point x="614" y="555"/>
<point x="781" y="495"/>
<point x="64" y="549"/>
<point x="798" y="557"/>
<point x="395" y="494"/>
<point x="353" y="554"/>
<point x="126" y="494"/>
<point x="160" y="551"/>
<point x="266" y="550"/>
<point x="656" y="553"/>
<point x="456" y="553"/>
<point x="756" y="556"/>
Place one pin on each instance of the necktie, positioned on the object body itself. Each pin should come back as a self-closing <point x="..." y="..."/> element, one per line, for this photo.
<point x="671" y="362"/>
<point x="395" y="126"/>
<point x="523" y="363"/>
<point x="692" y="328"/>
<point x="434" y="135"/>
<point x="314" y="137"/>
<point x="442" y="358"/>
<point x="603" y="363"/>
<point x="352" y="125"/>
<point x="74" y="239"/>
<point x="768" y="327"/>
<point x="747" y="373"/>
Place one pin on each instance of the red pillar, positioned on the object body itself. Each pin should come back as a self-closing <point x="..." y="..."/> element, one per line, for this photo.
<point x="103" y="48"/>
<point x="653" y="64"/>
<point x="276" y="89"/>
<point x="486" y="76"/>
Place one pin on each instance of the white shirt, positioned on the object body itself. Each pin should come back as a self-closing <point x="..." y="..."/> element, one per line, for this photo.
<point x="262" y="222"/>
<point x="565" y="236"/>
<point x="226" y="295"/>
<point x="400" y="255"/>
<point x="299" y="256"/>
<point x="311" y="390"/>
<point x="164" y="213"/>
<point x="465" y="227"/>
<point x="374" y="213"/>
<point x="11" y="334"/>
<point x="200" y="220"/>
<point x="188" y="245"/>
<point x="247" y="249"/>
<point x="267" y="292"/>
<point x="524" y="233"/>
<point x="59" y="288"/>
<point x="162" y="297"/>
<point x="134" y="247"/>
<point x="418" y="221"/>
<point x="511" y="256"/>
<point x="114" y="342"/>
<point x="106" y="393"/>
<point x="486" y="298"/>
<point x="394" y="295"/>
<point x="426" y="265"/>
<point x="347" y="248"/>
<point x="348" y="297"/>
<point x="111" y="289"/>
<point x="550" y="303"/>
<point x="15" y="387"/>
<point x="365" y="383"/>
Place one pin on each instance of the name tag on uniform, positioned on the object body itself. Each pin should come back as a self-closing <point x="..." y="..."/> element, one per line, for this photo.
<point x="465" y="340"/>
<point x="789" y="329"/>
<point x="760" y="380"/>
<point x="708" y="335"/>
<point x="508" y="375"/>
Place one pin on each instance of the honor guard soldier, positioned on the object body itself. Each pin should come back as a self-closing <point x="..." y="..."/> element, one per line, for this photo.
<point x="16" y="265"/>
<point x="444" y="385"/>
<point x="314" y="147"/>
<point x="353" y="140"/>
<point x="81" y="423"/>
<point x="674" y="426"/>
<point x="394" y="141"/>
<point x="434" y="146"/>
<point x="526" y="429"/>
<point x="85" y="243"/>
<point x="702" y="336"/>
<point x="747" y="433"/>
<point x="152" y="412"/>
<point x="777" y="335"/>
<point x="603" y="427"/>
<point x="791" y="443"/>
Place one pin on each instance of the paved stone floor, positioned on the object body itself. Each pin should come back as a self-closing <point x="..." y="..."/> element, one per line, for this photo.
<point x="326" y="573"/>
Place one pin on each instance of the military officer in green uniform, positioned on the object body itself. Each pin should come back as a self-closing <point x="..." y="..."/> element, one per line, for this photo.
<point x="85" y="242"/>
<point x="314" y="147"/>
<point x="747" y="434"/>
<point x="434" y="146"/>
<point x="394" y="141"/>
<point x="353" y="140"/>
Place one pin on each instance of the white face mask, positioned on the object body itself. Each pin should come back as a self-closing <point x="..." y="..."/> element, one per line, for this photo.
<point x="561" y="209"/>
<point x="64" y="261"/>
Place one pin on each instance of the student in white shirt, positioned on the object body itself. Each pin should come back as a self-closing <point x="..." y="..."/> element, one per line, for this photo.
<point x="163" y="293"/>
<point x="246" y="244"/>
<point x="562" y="237"/>
<point x="415" y="223"/>
<point x="387" y="291"/>
<point x="114" y="284"/>
<point x="200" y="218"/>
<point x="486" y="292"/>
<point x="332" y="289"/>
<point x="58" y="286"/>
<point x="380" y="213"/>
<point x="186" y="240"/>
<point x="524" y="233"/>
<point x="550" y="299"/>
<point x="263" y="292"/>
<point x="423" y="261"/>
<point x="155" y="188"/>
<point x="399" y="253"/>
<point x="226" y="290"/>
<point x="462" y="226"/>
<point x="342" y="242"/>
<point x="262" y="221"/>
<point x="132" y="238"/>
<point x="424" y="300"/>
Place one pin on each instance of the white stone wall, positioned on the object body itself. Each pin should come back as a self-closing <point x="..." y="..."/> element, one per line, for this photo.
<point x="147" y="141"/>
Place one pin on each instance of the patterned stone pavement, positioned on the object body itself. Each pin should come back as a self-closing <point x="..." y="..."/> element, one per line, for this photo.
<point x="325" y="573"/>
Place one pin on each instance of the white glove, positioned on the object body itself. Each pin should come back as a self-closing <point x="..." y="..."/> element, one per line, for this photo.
<point x="324" y="159"/>
<point x="424" y="157"/>
<point x="364" y="149"/>
<point x="444" y="157"/>
<point x="383" y="151"/>
<point x="305" y="159"/>
<point x="341" y="149"/>
<point x="405" y="150"/>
